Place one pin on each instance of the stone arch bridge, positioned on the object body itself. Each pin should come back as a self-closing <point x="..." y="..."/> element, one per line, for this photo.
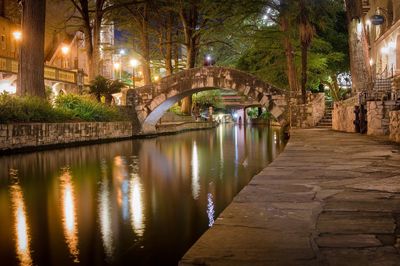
<point x="152" y="101"/>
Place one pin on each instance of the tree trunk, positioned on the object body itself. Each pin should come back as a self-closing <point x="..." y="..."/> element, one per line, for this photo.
<point x="358" y="48"/>
<point x="95" y="60"/>
<point x="144" y="37"/>
<point x="304" y="66"/>
<point x="189" y="23"/>
<point x="168" y="46"/>
<point x="2" y="5"/>
<point x="176" y="54"/>
<point x="289" y="52"/>
<point x="31" y="62"/>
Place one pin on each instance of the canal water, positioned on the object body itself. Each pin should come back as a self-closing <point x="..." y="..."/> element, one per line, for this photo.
<point x="134" y="202"/>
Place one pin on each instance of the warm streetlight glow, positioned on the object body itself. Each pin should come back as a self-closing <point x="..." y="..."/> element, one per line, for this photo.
<point x="385" y="50"/>
<point x="117" y="65"/>
<point x="134" y="62"/>
<point x="65" y="49"/>
<point x="156" y="78"/>
<point x="371" y="62"/>
<point x="17" y="35"/>
<point x="208" y="58"/>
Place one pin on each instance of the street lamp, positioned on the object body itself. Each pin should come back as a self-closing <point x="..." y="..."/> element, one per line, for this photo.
<point x="134" y="63"/>
<point x="17" y="37"/>
<point x="65" y="51"/>
<point x="117" y="67"/>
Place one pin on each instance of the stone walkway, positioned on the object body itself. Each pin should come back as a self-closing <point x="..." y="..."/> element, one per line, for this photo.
<point x="330" y="198"/>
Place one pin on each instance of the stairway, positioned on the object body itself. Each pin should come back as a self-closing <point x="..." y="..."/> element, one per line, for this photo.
<point x="326" y="121"/>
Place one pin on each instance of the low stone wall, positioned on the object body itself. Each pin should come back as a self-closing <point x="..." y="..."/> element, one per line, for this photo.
<point x="378" y="117"/>
<point x="343" y="116"/>
<point x="183" y="126"/>
<point x="394" y="126"/>
<point x="29" y="135"/>
<point x="172" y="117"/>
<point x="308" y="115"/>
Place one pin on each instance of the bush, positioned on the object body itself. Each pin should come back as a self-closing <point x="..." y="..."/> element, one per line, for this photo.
<point x="84" y="108"/>
<point x="68" y="108"/>
<point x="29" y="109"/>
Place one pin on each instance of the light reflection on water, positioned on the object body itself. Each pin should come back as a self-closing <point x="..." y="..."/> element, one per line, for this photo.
<point x="21" y="228"/>
<point x="104" y="210"/>
<point x="137" y="213"/>
<point x="122" y="203"/>
<point x="69" y="214"/>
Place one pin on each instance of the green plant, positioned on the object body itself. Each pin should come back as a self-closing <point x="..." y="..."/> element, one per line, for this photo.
<point x="84" y="108"/>
<point x="209" y="98"/>
<point x="29" y="109"/>
<point x="102" y="86"/>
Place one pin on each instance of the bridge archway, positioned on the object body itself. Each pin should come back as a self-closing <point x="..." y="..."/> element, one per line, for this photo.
<point x="152" y="101"/>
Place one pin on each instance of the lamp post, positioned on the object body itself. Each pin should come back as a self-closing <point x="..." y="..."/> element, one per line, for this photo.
<point x="117" y="67"/>
<point x="134" y="63"/>
<point x="17" y="38"/>
<point x="64" y="51"/>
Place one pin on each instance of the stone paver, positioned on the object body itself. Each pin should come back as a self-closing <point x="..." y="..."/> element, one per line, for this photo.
<point x="330" y="198"/>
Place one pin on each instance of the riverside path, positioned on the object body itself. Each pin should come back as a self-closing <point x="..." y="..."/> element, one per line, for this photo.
<point x="330" y="198"/>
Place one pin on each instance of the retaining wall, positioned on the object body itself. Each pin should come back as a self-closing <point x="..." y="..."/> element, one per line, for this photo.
<point x="394" y="126"/>
<point x="29" y="135"/>
<point x="343" y="116"/>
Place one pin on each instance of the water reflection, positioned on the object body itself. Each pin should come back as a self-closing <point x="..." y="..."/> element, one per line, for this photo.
<point x="104" y="210"/>
<point x="21" y="227"/>
<point x="137" y="215"/>
<point x="129" y="200"/>
<point x="210" y="209"/>
<point x="195" y="172"/>
<point x="69" y="214"/>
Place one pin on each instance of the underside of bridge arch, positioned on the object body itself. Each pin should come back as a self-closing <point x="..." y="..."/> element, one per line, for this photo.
<point x="151" y="102"/>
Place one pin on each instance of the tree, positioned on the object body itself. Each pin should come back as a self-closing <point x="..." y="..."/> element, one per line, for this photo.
<point x="358" y="47"/>
<point x="31" y="61"/>
<point x="306" y="32"/>
<point x="98" y="87"/>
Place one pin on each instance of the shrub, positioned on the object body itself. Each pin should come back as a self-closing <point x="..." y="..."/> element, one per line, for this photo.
<point x="84" y="108"/>
<point x="29" y="109"/>
<point x="67" y="108"/>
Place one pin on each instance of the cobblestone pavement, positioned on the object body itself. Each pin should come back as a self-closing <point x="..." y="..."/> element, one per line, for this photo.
<point x="330" y="198"/>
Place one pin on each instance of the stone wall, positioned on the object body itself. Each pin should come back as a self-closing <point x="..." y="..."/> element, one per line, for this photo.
<point x="343" y="115"/>
<point x="172" y="117"/>
<point x="378" y="117"/>
<point x="394" y="126"/>
<point x="178" y="127"/>
<point x="308" y="115"/>
<point x="29" y="135"/>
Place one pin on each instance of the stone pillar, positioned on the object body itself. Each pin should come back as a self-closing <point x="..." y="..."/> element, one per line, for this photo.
<point x="210" y="113"/>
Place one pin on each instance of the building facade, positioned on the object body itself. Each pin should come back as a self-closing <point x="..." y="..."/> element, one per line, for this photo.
<point x="382" y="22"/>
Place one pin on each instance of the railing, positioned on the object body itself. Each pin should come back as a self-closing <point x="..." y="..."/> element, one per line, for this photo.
<point x="10" y="65"/>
